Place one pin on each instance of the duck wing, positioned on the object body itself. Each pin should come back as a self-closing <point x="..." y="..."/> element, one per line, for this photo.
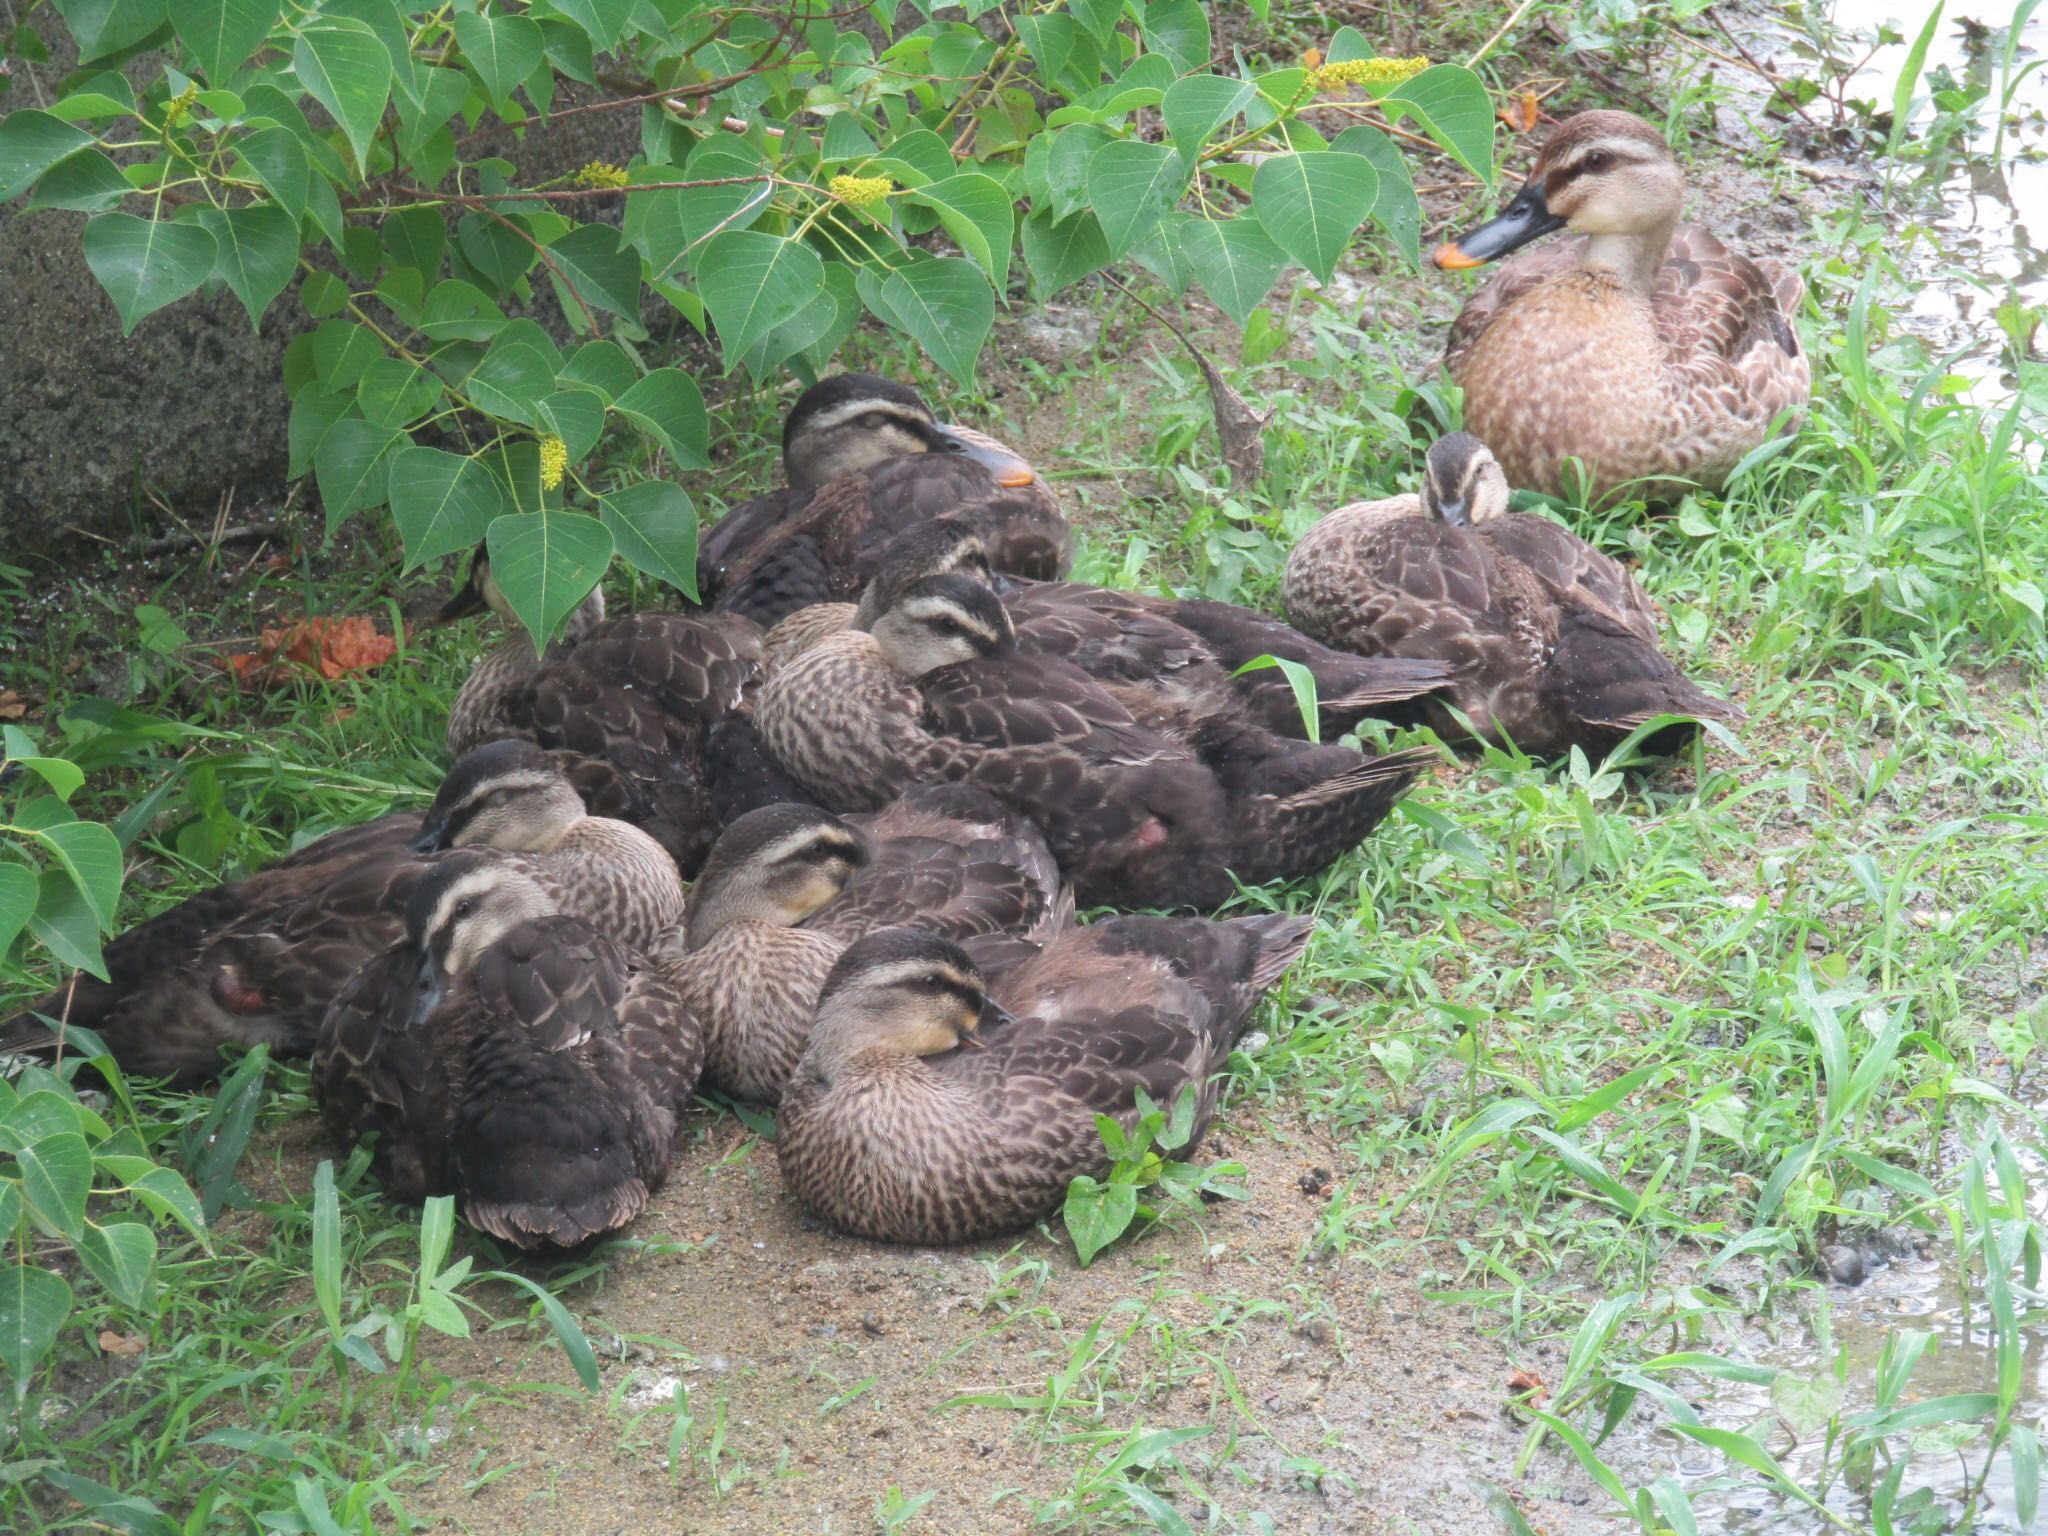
<point x="1573" y="569"/>
<point x="731" y="541"/>
<point x="578" y="1054"/>
<point x="1712" y="301"/>
<point x="375" y="1072"/>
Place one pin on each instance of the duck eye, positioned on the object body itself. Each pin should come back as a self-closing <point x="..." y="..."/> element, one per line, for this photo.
<point x="932" y="980"/>
<point x="874" y="421"/>
<point x="1599" y="160"/>
<point x="465" y="907"/>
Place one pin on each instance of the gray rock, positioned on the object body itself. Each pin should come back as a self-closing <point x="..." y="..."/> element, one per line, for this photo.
<point x="1843" y="1264"/>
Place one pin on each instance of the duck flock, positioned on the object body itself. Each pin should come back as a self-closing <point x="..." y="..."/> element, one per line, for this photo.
<point x="819" y="842"/>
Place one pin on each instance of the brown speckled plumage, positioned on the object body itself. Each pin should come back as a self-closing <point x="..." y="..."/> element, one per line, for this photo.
<point x="866" y="461"/>
<point x="1650" y="351"/>
<point x="885" y="1133"/>
<point x="1552" y="643"/>
<point x="946" y="858"/>
<point x="542" y="1088"/>
<point x="630" y="706"/>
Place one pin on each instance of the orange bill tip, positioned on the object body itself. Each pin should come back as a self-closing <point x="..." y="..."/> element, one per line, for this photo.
<point x="1015" y="477"/>
<point x="1452" y="258"/>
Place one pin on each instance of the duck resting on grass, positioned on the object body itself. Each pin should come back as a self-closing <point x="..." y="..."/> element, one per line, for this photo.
<point x="1551" y="643"/>
<point x="1642" y="347"/>
<point x="933" y="1105"/>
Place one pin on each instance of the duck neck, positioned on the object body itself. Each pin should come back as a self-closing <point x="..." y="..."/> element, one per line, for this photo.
<point x="1635" y="257"/>
<point x="719" y="908"/>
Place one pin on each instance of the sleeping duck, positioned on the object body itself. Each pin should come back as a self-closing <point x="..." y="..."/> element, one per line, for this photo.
<point x="933" y="1105"/>
<point x="789" y="887"/>
<point x="865" y="460"/>
<point x="1553" y="644"/>
<point x="259" y="959"/>
<point x="524" y="1060"/>
<point x="1641" y="346"/>
<point x="648" y="712"/>
<point x="935" y="688"/>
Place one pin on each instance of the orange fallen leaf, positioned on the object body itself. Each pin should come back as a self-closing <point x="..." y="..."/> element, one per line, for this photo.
<point x="12" y="705"/>
<point x="121" y="1343"/>
<point x="1520" y="114"/>
<point x="1312" y="59"/>
<point x="331" y="647"/>
<point x="1527" y="1381"/>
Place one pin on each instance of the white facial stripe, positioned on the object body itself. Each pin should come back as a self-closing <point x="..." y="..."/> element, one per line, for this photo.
<point x="480" y="882"/>
<point x="911" y="973"/>
<point x="1628" y="151"/>
<point x="797" y="843"/>
<point x="524" y="780"/>
<point x="851" y="410"/>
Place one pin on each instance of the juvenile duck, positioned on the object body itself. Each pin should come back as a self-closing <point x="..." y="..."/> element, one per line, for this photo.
<point x="933" y="1106"/>
<point x="1553" y="644"/>
<point x="788" y="887"/>
<point x="1643" y="347"/>
<point x="259" y="959"/>
<point x="1292" y="807"/>
<point x="633" y="706"/>
<point x="866" y="460"/>
<point x="520" y="1059"/>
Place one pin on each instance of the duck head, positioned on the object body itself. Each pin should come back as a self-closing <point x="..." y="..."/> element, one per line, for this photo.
<point x="1462" y="482"/>
<point x="937" y="548"/>
<point x="778" y="864"/>
<point x="904" y="992"/>
<point x="479" y="592"/>
<point x="507" y="795"/>
<point x="939" y="620"/>
<point x="854" y="421"/>
<point x="1606" y="175"/>
<point x="459" y="909"/>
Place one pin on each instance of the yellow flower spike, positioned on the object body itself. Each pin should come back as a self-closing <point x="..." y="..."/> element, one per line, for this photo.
<point x="1380" y="71"/>
<point x="600" y="173"/>
<point x="554" y="462"/>
<point x="860" y="191"/>
<point x="176" y="108"/>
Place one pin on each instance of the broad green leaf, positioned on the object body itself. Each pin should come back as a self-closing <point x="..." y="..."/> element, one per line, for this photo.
<point x="913" y="158"/>
<point x="819" y="329"/>
<point x="382" y="18"/>
<point x="66" y="924"/>
<point x="1234" y="261"/>
<point x="1130" y="184"/>
<point x="546" y="563"/>
<point x="601" y="366"/>
<point x="122" y="1257"/>
<point x="589" y="264"/>
<point x="503" y="50"/>
<point x="105" y="27"/>
<point x="1097" y="1214"/>
<point x="350" y="467"/>
<point x="104" y="95"/>
<point x="512" y="380"/>
<point x="1452" y="105"/>
<point x="441" y="1314"/>
<point x="669" y="406"/>
<point x="30" y="143"/>
<point x="753" y="282"/>
<point x="221" y="34"/>
<point x="459" y="311"/>
<point x="345" y="66"/>
<point x="567" y="1334"/>
<point x="396" y="390"/>
<point x="1066" y="167"/>
<point x="327" y="1247"/>
<point x="91" y="855"/>
<point x="145" y="264"/>
<point x="946" y="306"/>
<point x="56" y="1177"/>
<point x="576" y="416"/>
<point x="17" y="902"/>
<point x="416" y="238"/>
<point x="497" y="247"/>
<point x="442" y="502"/>
<point x="166" y="1193"/>
<point x="845" y="139"/>
<point x="313" y="412"/>
<point x="603" y="21"/>
<point x="654" y="529"/>
<point x="342" y="353"/>
<point x="437" y="1231"/>
<point x="259" y="252"/>
<point x="62" y="775"/>
<point x="1178" y="29"/>
<point x="1310" y="204"/>
<point x="977" y="214"/>
<point x="33" y="1305"/>
<point x="87" y="182"/>
<point x="279" y="162"/>
<point x="1196" y="105"/>
<point x="1395" y="209"/>
<point x="1063" y="253"/>
<point x="1160" y="254"/>
<point x="1098" y="16"/>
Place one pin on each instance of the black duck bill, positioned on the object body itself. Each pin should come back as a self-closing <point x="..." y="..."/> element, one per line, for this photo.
<point x="1007" y="467"/>
<point x="1527" y="218"/>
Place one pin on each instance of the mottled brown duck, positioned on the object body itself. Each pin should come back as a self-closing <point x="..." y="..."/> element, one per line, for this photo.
<point x="1292" y="807"/>
<point x="866" y="460"/>
<point x="933" y="1105"/>
<point x="258" y="960"/>
<point x="1552" y="643"/>
<point x="789" y="887"/>
<point x="639" y="710"/>
<point x="1642" y="347"/>
<point x="520" y="1059"/>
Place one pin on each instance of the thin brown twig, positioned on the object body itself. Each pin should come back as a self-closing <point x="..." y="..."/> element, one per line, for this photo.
<point x="554" y="268"/>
